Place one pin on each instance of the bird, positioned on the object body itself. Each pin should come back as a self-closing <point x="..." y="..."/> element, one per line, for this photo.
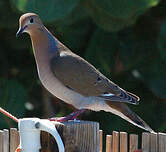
<point x="72" y="79"/>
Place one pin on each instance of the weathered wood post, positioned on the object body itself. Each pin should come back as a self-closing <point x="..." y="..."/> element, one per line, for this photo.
<point x="80" y="136"/>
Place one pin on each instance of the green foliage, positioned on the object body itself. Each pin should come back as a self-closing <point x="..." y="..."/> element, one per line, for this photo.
<point x="154" y="75"/>
<point x="8" y="16"/>
<point x="125" y="40"/>
<point x="57" y="9"/>
<point x="12" y="98"/>
<point x="102" y="49"/>
<point x="140" y="49"/>
<point x="162" y="40"/>
<point x="79" y="33"/>
<point x="116" y="14"/>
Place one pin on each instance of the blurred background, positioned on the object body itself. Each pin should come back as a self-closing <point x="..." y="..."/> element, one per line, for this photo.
<point x="125" y="40"/>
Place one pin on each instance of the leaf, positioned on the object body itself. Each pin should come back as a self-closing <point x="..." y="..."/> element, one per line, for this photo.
<point x="8" y="15"/>
<point x="153" y="75"/>
<point x="115" y="15"/>
<point x="21" y="43"/>
<point x="12" y="98"/>
<point x="49" y="10"/>
<point x="101" y="50"/>
<point x="133" y="50"/>
<point x="3" y="62"/>
<point x="162" y="41"/>
<point x="141" y="54"/>
<point x="78" y="14"/>
<point x="74" y="29"/>
<point x="75" y="36"/>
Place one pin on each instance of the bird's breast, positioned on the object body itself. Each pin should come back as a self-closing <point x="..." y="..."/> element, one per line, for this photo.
<point x="55" y="87"/>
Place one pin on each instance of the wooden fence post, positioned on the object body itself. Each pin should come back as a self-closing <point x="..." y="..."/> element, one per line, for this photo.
<point x="100" y="140"/>
<point x="14" y="139"/>
<point x="161" y="142"/>
<point x="145" y="142"/>
<point x="153" y="142"/>
<point x="123" y="142"/>
<point x="115" y="141"/>
<point x="109" y="143"/>
<point x="5" y="140"/>
<point x="80" y="136"/>
<point x="1" y="141"/>
<point x="133" y="142"/>
<point x="84" y="136"/>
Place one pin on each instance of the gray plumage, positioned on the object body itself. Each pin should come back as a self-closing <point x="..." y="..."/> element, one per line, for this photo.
<point x="77" y="74"/>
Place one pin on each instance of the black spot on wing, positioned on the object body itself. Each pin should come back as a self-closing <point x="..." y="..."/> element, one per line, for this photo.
<point x="69" y="87"/>
<point x="127" y="97"/>
<point x="98" y="79"/>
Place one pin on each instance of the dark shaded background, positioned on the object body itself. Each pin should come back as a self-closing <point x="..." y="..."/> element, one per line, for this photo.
<point x="125" y="40"/>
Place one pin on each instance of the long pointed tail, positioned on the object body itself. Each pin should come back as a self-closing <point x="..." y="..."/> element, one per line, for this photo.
<point x="124" y="112"/>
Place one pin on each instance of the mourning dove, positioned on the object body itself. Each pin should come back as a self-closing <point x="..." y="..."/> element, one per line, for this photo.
<point x="72" y="79"/>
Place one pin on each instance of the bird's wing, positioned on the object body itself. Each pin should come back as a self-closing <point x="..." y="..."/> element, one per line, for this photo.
<point x="80" y="76"/>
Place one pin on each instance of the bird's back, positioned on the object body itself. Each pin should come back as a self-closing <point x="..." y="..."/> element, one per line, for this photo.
<point x="79" y="75"/>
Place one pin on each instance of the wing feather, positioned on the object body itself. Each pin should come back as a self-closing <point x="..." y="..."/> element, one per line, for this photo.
<point x="77" y="74"/>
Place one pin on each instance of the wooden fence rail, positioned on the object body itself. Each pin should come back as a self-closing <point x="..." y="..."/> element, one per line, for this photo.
<point x="87" y="136"/>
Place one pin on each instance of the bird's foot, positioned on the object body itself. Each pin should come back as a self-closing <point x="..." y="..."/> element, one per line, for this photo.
<point x="71" y="116"/>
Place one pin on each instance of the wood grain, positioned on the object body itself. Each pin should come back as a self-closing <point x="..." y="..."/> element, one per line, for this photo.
<point x="101" y="141"/>
<point x="109" y="143"/>
<point x="123" y="142"/>
<point x="153" y="142"/>
<point x="5" y="140"/>
<point x="145" y="142"/>
<point x="115" y="143"/>
<point x="1" y="141"/>
<point x="133" y="142"/>
<point x="80" y="136"/>
<point x="161" y="142"/>
<point x="14" y="139"/>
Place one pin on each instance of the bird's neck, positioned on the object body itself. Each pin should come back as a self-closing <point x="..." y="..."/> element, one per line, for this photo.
<point x="45" y="46"/>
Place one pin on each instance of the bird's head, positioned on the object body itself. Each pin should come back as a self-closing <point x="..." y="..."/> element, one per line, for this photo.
<point x="28" y="23"/>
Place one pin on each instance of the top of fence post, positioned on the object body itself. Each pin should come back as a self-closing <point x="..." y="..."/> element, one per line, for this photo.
<point x="77" y="136"/>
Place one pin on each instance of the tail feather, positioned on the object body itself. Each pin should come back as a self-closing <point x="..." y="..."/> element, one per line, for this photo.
<point x="134" y="96"/>
<point x="123" y="96"/>
<point x="124" y="112"/>
<point x="130" y="97"/>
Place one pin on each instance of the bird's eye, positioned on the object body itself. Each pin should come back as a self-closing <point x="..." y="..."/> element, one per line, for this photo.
<point x="31" y="20"/>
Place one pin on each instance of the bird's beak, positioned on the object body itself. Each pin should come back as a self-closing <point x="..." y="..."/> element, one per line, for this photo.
<point x="20" y="31"/>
